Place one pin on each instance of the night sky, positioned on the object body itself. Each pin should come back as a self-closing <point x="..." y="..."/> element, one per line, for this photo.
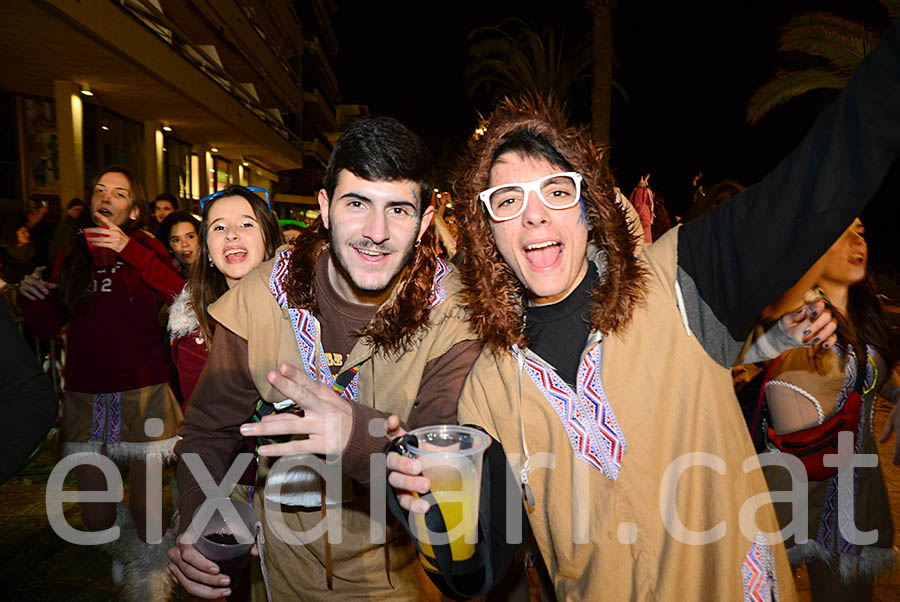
<point x="688" y="67"/>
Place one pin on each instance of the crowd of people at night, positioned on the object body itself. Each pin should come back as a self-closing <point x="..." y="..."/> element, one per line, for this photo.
<point x="284" y="364"/>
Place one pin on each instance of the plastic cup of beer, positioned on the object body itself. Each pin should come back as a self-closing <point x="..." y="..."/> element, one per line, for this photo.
<point x="226" y="540"/>
<point x="451" y="458"/>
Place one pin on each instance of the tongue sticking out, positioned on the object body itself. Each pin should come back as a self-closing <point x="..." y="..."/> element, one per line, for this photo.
<point x="545" y="257"/>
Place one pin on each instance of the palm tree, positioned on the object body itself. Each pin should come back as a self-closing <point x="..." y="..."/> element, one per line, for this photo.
<point x="601" y="91"/>
<point x="831" y="47"/>
<point x="511" y="57"/>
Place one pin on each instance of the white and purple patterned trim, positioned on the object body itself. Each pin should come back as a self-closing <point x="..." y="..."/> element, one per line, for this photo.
<point x="98" y="418"/>
<point x="587" y="416"/>
<point x="758" y="572"/>
<point x="106" y="419"/>
<point x="829" y="535"/>
<point x="304" y="326"/>
<point x="438" y="291"/>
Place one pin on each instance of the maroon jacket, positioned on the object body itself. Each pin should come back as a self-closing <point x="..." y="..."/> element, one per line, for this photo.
<point x="115" y="343"/>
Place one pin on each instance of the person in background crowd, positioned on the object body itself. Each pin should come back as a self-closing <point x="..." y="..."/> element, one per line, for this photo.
<point x="240" y="217"/>
<point x="39" y="225"/>
<point x="621" y="372"/>
<point x="179" y="233"/>
<point x="65" y="230"/>
<point x="808" y="388"/>
<point x="709" y="199"/>
<point x="359" y="299"/>
<point x="108" y="288"/>
<point x="164" y="204"/>
<point x="25" y="394"/>
<point x="291" y="229"/>
<point x="17" y="251"/>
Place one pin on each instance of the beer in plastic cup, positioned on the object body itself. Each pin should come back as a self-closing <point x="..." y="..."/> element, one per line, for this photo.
<point x="451" y="458"/>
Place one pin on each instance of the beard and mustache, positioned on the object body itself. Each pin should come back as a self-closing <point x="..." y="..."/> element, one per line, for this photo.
<point x="367" y="245"/>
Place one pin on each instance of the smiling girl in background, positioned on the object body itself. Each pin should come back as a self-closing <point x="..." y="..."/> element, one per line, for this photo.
<point x="108" y="286"/>
<point x="179" y="233"/>
<point x="238" y="233"/>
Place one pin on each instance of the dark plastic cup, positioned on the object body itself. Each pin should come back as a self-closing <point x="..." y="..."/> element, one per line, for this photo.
<point x="102" y="256"/>
<point x="228" y="544"/>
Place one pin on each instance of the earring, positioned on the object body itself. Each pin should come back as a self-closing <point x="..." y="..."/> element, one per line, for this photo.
<point x="418" y="242"/>
<point x="211" y="263"/>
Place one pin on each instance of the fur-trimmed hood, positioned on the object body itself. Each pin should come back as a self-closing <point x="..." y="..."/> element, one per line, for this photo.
<point x="182" y="319"/>
<point x="493" y="294"/>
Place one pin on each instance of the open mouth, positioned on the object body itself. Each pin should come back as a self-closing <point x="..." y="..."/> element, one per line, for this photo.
<point x="235" y="255"/>
<point x="104" y="212"/>
<point x="543" y="255"/>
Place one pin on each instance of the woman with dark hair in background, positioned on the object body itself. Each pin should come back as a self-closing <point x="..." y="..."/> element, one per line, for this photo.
<point x="108" y="286"/>
<point x="238" y="233"/>
<point x="178" y="232"/>
<point x="806" y="391"/>
<point x="17" y="252"/>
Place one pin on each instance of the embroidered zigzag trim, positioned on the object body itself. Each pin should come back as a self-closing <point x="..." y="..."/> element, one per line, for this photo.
<point x="438" y="290"/>
<point x="304" y="326"/>
<point x="594" y="432"/>
<point x="758" y="572"/>
<point x="98" y="418"/>
<point x="829" y="535"/>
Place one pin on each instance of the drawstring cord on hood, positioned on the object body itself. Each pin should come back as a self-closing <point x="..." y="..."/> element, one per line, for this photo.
<point x="526" y="462"/>
<point x="329" y="566"/>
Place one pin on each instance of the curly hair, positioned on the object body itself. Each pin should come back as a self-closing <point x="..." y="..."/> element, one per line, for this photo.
<point x="492" y="292"/>
<point x="395" y="325"/>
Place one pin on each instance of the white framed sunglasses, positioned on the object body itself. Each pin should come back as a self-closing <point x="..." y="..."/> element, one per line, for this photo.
<point x="556" y="191"/>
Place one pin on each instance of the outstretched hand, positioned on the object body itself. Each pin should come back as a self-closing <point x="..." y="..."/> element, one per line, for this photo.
<point x="33" y="286"/>
<point x="326" y="418"/>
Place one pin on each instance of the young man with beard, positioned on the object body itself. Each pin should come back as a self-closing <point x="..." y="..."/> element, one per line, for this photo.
<point x="605" y="374"/>
<point x="362" y="315"/>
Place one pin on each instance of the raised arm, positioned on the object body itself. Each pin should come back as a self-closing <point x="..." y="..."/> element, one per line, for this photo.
<point x="738" y="259"/>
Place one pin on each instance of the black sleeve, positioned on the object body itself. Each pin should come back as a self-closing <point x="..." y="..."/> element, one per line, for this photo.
<point x="502" y="526"/>
<point x="738" y="259"/>
<point x="27" y="398"/>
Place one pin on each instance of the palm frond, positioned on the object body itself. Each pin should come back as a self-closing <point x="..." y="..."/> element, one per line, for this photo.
<point x="842" y="42"/>
<point x="511" y="57"/>
<point x="790" y="84"/>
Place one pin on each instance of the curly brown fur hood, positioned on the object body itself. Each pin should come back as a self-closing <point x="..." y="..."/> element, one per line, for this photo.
<point x="493" y="294"/>
<point x="395" y="324"/>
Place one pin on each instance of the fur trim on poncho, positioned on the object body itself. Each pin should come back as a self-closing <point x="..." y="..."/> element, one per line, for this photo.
<point x="182" y="319"/>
